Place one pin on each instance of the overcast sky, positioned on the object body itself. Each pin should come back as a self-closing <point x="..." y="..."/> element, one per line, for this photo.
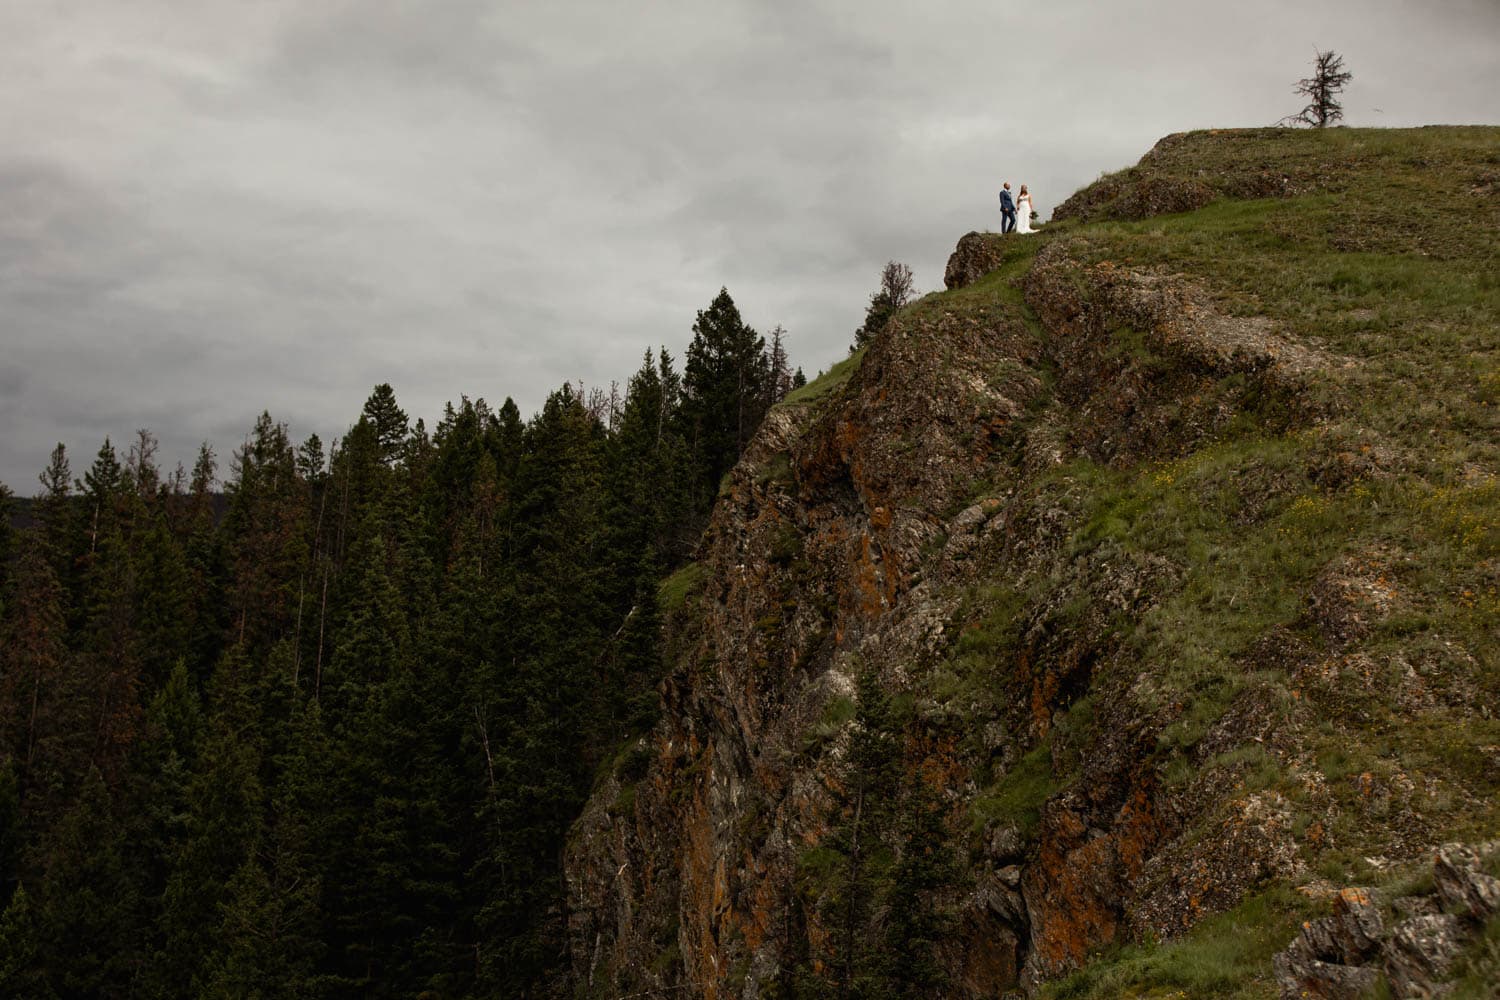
<point x="213" y="207"/>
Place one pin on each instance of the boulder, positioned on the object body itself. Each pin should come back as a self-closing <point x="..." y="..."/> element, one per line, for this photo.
<point x="1162" y="196"/>
<point x="1462" y="887"/>
<point x="1420" y="954"/>
<point x="1300" y="975"/>
<point x="976" y="255"/>
<point x="1358" y="928"/>
<point x="1323" y="960"/>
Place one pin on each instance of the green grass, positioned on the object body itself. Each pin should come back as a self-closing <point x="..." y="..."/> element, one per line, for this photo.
<point x="1229" y="956"/>
<point x="1402" y="308"/>
<point x="1017" y="798"/>
<point x="836" y="714"/>
<point x="986" y="638"/>
<point x="997" y="293"/>
<point x="825" y="384"/>
<point x="1480" y="965"/>
<point x="677" y="588"/>
<point x="777" y="469"/>
<point x="1350" y="267"/>
<point x="1233" y="585"/>
<point x="1397" y="476"/>
<point x="818" y="868"/>
<point x="1226" y="956"/>
<point x="624" y="803"/>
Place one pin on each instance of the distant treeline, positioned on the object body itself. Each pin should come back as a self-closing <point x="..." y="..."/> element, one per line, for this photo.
<point x="21" y="512"/>
<point x="321" y="732"/>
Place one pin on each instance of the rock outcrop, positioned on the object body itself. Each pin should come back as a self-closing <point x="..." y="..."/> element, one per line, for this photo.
<point x="976" y="255"/>
<point x="1343" y="956"/>
<point x="1173" y="178"/>
<point x="958" y="523"/>
<point x="830" y="551"/>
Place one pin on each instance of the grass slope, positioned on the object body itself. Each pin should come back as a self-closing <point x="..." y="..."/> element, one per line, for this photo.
<point x="1381" y="251"/>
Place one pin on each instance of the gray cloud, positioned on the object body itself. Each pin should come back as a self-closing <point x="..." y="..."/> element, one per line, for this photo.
<point x="211" y="210"/>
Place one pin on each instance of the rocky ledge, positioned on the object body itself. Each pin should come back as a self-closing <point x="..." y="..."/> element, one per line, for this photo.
<point x="1411" y="944"/>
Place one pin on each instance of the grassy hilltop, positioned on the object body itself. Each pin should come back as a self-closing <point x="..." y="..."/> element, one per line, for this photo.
<point x="1373" y="552"/>
<point x="1151" y="576"/>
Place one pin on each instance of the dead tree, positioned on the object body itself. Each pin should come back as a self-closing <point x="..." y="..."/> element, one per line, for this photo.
<point x="896" y="290"/>
<point x="1321" y="90"/>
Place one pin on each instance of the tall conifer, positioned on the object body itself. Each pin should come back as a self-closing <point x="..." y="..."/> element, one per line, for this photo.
<point x="724" y="388"/>
<point x="387" y="419"/>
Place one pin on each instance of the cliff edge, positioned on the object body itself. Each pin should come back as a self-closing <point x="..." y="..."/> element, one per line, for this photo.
<point x="1102" y="620"/>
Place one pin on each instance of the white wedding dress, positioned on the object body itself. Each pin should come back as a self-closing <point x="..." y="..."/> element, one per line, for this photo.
<point x="1023" y="215"/>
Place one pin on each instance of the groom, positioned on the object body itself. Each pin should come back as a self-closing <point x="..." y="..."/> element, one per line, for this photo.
<point x="1007" y="210"/>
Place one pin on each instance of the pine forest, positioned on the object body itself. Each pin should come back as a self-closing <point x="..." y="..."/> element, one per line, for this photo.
<point x="320" y="731"/>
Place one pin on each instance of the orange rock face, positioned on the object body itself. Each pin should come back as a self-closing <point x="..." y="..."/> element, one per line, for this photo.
<point x="915" y="493"/>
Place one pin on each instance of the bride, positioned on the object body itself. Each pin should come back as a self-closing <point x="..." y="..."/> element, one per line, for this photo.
<point x="1023" y="212"/>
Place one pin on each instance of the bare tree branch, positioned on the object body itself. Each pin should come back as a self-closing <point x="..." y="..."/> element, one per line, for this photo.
<point x="1322" y="89"/>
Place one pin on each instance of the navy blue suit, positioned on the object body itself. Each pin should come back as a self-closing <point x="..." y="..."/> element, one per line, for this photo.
<point x="1007" y="212"/>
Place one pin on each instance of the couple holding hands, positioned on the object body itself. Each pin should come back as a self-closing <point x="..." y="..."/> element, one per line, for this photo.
<point x="1009" y="209"/>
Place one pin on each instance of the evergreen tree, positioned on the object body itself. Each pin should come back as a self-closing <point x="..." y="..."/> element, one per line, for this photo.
<point x="141" y="473"/>
<point x="11" y="831"/>
<point x="22" y="973"/>
<point x="270" y="934"/>
<point x="917" y="922"/>
<point x="157" y="797"/>
<point x="269" y="940"/>
<point x="56" y="516"/>
<point x="43" y="710"/>
<point x="391" y="879"/>
<point x="101" y="488"/>
<point x="204" y="562"/>
<point x="850" y="900"/>
<point x="647" y="480"/>
<point x="506" y="439"/>
<point x="461" y="442"/>
<point x="724" y="390"/>
<point x="108" y="660"/>
<point x="894" y="293"/>
<point x="635" y="656"/>
<point x="310" y="460"/>
<point x="466" y="640"/>
<point x="375" y="636"/>
<point x="265" y="934"/>
<point x="324" y="734"/>
<point x="223" y="825"/>
<point x="89" y="908"/>
<point x="873" y="781"/>
<point x="388" y="421"/>
<point x="543" y="730"/>
<point x="265" y="537"/>
<point x="163" y="610"/>
<point x="393" y="875"/>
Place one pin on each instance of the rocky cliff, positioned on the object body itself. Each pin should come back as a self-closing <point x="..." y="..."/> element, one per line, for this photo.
<point x="1100" y="622"/>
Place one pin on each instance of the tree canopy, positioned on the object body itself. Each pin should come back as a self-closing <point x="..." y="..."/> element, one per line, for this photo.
<point x="321" y="733"/>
